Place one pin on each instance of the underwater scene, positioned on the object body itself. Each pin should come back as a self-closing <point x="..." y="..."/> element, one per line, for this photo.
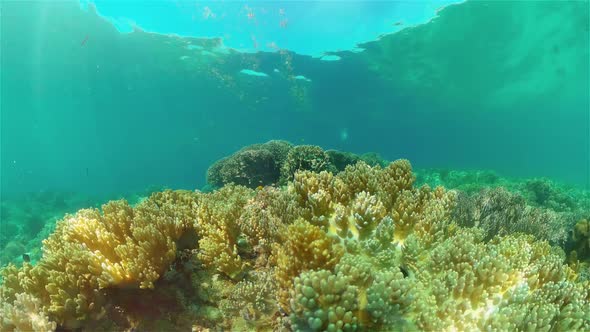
<point x="294" y="165"/>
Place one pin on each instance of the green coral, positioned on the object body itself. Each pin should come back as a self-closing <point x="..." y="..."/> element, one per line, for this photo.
<point x="356" y="296"/>
<point x="500" y="212"/>
<point x="539" y="192"/>
<point x="253" y="166"/>
<point x="341" y="159"/>
<point x="326" y="302"/>
<point x="276" y="162"/>
<point x="305" y="157"/>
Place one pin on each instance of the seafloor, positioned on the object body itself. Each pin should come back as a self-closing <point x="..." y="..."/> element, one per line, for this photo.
<point x="290" y="237"/>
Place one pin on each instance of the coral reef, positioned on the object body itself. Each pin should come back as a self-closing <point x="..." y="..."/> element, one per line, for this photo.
<point x="305" y="157"/>
<point x="579" y="248"/>
<point x="342" y="159"/>
<point x="276" y="162"/>
<point x="252" y="166"/>
<point x="122" y="247"/>
<point x="218" y="230"/>
<point x="539" y="192"/>
<point x="543" y="192"/>
<point x="26" y="219"/>
<point x="306" y="247"/>
<point x="466" y="181"/>
<point x="581" y="239"/>
<point x="540" y="207"/>
<point x="25" y="314"/>
<point x="354" y="296"/>
<point x="500" y="212"/>
<point x="363" y="249"/>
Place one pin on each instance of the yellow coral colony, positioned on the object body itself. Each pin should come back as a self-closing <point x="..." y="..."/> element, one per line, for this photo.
<point x="421" y="270"/>
<point x="360" y="250"/>
<point x="91" y="251"/>
<point x="217" y="225"/>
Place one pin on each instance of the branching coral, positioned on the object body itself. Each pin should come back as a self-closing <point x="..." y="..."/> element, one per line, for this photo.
<point x="460" y="284"/>
<point x="217" y="226"/>
<point x="252" y="300"/>
<point x="261" y="222"/>
<point x="354" y="296"/>
<point x="305" y="247"/>
<point x="359" y="219"/>
<point x="453" y="279"/>
<point x="91" y="251"/>
<point x="500" y="212"/>
<point x="122" y="242"/>
<point x="349" y="208"/>
<point x="323" y="301"/>
<point x="543" y="193"/>
<point x="499" y="285"/>
<point x="25" y="314"/>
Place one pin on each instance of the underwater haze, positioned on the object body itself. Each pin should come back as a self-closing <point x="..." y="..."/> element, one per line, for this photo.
<point x="499" y="85"/>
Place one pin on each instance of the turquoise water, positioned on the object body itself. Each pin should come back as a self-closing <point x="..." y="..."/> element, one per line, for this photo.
<point x="505" y="87"/>
<point x="103" y="100"/>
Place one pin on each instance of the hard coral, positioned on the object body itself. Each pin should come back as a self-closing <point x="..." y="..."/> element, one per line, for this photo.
<point x="503" y="285"/>
<point x="217" y="226"/>
<point x="355" y="296"/>
<point x="91" y="251"/>
<point x="580" y="239"/>
<point x="305" y="157"/>
<point x="543" y="192"/>
<point x="253" y="166"/>
<point x="252" y="300"/>
<point x="500" y="212"/>
<point x="305" y="247"/>
<point x="277" y="162"/>
<point x="25" y="314"/>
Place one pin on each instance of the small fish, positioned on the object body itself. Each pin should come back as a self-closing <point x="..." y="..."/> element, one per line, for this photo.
<point x="398" y="23"/>
<point x="86" y="171"/>
<point x="84" y="41"/>
<point x="26" y="258"/>
<point x="259" y="187"/>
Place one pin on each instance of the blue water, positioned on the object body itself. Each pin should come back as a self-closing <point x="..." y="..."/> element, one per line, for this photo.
<point x="486" y="85"/>
<point x="304" y="27"/>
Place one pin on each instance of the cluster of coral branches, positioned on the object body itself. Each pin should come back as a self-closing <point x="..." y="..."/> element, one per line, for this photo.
<point x="362" y="249"/>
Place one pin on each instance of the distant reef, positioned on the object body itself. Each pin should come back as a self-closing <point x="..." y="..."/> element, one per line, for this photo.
<point x="275" y="162"/>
